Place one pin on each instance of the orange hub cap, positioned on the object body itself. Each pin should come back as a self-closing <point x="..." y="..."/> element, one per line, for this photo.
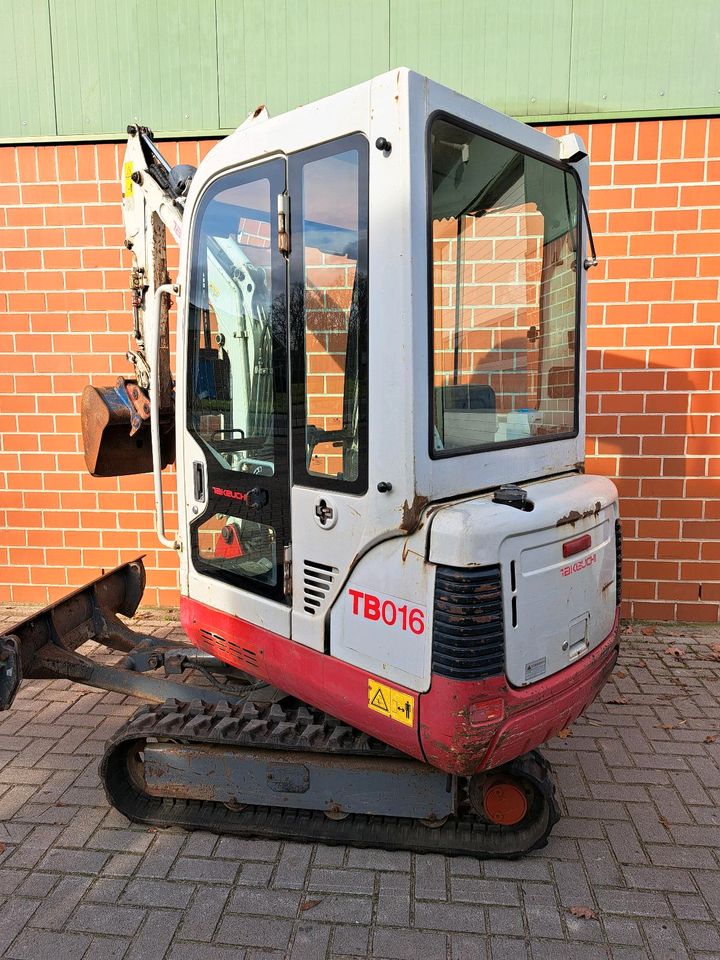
<point x="505" y="802"/>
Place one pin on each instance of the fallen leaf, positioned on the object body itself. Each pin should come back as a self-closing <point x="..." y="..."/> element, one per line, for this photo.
<point x="667" y="726"/>
<point x="585" y="913"/>
<point x="565" y="733"/>
<point x="710" y="738"/>
<point x="309" y="904"/>
<point x="642" y="664"/>
<point x="3" y="848"/>
<point x="715" y="647"/>
<point x="648" y="631"/>
<point x="663" y="821"/>
<point x="626" y="630"/>
<point x="617" y="700"/>
<point x="620" y="674"/>
<point x="676" y="652"/>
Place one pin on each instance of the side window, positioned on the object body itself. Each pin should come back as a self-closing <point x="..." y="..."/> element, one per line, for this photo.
<point x="329" y="314"/>
<point x="231" y="402"/>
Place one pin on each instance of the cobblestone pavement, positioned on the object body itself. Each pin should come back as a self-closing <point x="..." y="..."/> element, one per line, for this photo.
<point x="639" y="844"/>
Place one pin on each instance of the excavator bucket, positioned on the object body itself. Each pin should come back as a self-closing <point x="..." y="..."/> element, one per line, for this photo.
<point x="116" y="438"/>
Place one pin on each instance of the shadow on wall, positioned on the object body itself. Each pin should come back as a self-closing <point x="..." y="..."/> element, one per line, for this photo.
<point x="642" y="433"/>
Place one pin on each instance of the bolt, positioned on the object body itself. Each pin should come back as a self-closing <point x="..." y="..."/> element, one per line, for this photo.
<point x="146" y="409"/>
<point x="137" y="177"/>
<point x="134" y="393"/>
<point x="382" y="144"/>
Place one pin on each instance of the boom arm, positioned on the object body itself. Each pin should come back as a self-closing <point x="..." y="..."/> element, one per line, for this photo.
<point x="153" y="199"/>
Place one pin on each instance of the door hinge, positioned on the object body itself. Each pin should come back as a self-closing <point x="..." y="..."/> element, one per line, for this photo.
<point x="287" y="571"/>
<point x="284" y="224"/>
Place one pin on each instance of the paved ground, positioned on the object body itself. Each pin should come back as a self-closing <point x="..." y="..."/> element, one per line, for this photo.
<point x="639" y="845"/>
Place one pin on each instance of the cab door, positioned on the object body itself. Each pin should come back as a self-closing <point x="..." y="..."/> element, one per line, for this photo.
<point x="237" y="466"/>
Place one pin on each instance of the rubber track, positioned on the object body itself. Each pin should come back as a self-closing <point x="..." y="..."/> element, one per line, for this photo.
<point x="300" y="728"/>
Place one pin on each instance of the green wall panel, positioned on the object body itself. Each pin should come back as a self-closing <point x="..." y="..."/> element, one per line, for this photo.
<point x="151" y="60"/>
<point x="514" y="56"/>
<point x="645" y="55"/>
<point x="288" y="52"/>
<point x="85" y="68"/>
<point x="27" y="101"/>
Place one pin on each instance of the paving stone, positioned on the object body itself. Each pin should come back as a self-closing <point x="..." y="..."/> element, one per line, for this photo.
<point x="154" y="939"/>
<point x="158" y="893"/>
<point x="262" y="932"/>
<point x="293" y="864"/>
<point x="210" y="871"/>
<point x="408" y="944"/>
<point x="38" y="945"/>
<point x="485" y="891"/>
<point x="60" y="904"/>
<point x="271" y="903"/>
<point x="430" y="878"/>
<point x="310" y="941"/>
<point x="341" y="881"/>
<point x="351" y="941"/>
<point x="462" y="917"/>
<point x="203" y="915"/>
<point x="101" y="918"/>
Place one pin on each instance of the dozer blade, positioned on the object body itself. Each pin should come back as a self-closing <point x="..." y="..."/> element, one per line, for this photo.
<point x="44" y="646"/>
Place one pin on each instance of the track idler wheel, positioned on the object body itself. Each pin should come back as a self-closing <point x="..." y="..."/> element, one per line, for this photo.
<point x="506" y="797"/>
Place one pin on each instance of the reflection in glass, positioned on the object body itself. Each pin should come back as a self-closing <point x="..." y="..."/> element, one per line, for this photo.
<point x="231" y="403"/>
<point x="242" y="547"/>
<point x="504" y="250"/>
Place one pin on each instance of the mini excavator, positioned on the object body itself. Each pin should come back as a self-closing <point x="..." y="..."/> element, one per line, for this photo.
<point x="396" y="579"/>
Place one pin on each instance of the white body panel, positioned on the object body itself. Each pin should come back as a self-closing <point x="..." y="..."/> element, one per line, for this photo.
<point x="382" y="620"/>
<point x="556" y="609"/>
<point x="371" y="545"/>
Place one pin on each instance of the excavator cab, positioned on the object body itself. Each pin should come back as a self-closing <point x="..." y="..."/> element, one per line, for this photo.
<point x="377" y="410"/>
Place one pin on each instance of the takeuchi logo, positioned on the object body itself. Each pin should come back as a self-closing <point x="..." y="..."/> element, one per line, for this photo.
<point x="230" y="494"/>
<point x="578" y="565"/>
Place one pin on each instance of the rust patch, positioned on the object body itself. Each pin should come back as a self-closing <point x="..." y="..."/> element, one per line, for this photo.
<point x="575" y="515"/>
<point x="411" y="513"/>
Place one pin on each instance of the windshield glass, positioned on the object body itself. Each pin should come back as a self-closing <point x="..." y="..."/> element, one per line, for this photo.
<point x="504" y="294"/>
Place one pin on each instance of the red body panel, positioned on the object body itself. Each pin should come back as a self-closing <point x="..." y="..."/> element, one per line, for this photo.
<point x="453" y="733"/>
<point x="531" y="715"/>
<point x="321" y="680"/>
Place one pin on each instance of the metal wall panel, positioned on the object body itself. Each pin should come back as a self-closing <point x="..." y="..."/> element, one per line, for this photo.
<point x="288" y="52"/>
<point x="514" y="56"/>
<point x="645" y="55"/>
<point x="27" y="104"/>
<point x="114" y="62"/>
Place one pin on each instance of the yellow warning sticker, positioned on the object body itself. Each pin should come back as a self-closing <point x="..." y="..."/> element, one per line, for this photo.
<point x="391" y="702"/>
<point x="127" y="179"/>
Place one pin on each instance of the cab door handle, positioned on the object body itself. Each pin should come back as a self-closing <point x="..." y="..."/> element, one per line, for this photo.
<point x="199" y="490"/>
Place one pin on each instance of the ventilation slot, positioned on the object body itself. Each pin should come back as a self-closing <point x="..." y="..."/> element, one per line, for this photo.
<point x="468" y="632"/>
<point x="618" y="562"/>
<point x="317" y="580"/>
<point x="229" y="650"/>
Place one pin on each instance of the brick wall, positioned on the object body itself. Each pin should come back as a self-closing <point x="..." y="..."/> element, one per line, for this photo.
<point x="654" y="363"/>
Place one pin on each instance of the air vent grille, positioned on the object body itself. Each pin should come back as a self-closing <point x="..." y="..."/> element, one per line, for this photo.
<point x="468" y="631"/>
<point x="618" y="562"/>
<point x="318" y="578"/>
<point x="229" y="650"/>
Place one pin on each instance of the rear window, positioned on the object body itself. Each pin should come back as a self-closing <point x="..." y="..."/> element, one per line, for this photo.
<point x="504" y="311"/>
